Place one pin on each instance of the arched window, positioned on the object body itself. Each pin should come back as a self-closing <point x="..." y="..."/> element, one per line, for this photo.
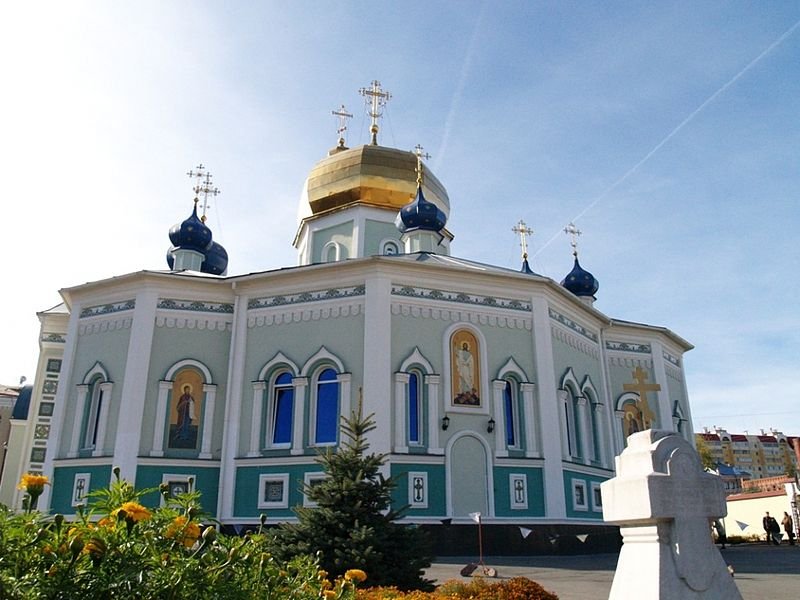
<point x="390" y="248"/>
<point x="510" y="413"/>
<point x="92" y="423"/>
<point x="331" y="252"/>
<point x="414" y="408"/>
<point x="281" y="411"/>
<point x="326" y="408"/>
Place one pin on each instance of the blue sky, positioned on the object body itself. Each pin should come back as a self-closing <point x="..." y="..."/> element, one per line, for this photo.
<point x="542" y="111"/>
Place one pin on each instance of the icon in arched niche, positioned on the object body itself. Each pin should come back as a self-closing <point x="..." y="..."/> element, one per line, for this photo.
<point x="465" y="368"/>
<point x="632" y="419"/>
<point x="184" y="413"/>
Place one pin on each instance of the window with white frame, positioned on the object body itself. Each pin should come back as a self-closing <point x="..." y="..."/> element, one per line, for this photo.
<point x="273" y="490"/>
<point x="414" y="409"/>
<point x="390" y="247"/>
<point x="96" y="399"/>
<point x="579" y="499"/>
<point x="511" y="413"/>
<point x="326" y="408"/>
<point x="310" y="480"/>
<point x="176" y="484"/>
<point x="281" y="411"/>
<point x="80" y="488"/>
<point x="597" y="497"/>
<point x="331" y="252"/>
<point x="518" y="490"/>
<point x="418" y="489"/>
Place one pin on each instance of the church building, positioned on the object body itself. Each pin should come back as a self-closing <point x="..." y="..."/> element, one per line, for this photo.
<point x="494" y="390"/>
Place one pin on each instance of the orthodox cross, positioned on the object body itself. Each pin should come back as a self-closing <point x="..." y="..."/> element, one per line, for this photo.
<point x="376" y="99"/>
<point x="343" y="115"/>
<point x="420" y="152"/>
<point x="573" y="232"/>
<point x="203" y="186"/>
<point x="80" y="488"/>
<point x="641" y="387"/>
<point x="419" y="487"/>
<point x="523" y="231"/>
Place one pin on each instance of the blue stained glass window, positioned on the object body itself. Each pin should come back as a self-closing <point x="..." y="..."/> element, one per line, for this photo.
<point x="413" y="408"/>
<point x="327" y="417"/>
<point x="283" y="408"/>
<point x="508" y="403"/>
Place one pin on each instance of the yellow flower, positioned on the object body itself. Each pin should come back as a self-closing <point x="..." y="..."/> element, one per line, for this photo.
<point x="106" y="522"/>
<point x="355" y="574"/>
<point x="186" y="534"/>
<point x="133" y="512"/>
<point x="329" y="594"/>
<point x="33" y="484"/>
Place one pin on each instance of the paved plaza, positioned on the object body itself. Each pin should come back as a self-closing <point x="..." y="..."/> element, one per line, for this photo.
<point x="762" y="572"/>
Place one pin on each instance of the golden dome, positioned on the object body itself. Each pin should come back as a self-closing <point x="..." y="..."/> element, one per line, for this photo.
<point x="371" y="176"/>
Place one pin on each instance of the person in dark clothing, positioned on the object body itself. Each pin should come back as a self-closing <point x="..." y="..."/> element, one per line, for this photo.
<point x="788" y="527"/>
<point x="772" y="529"/>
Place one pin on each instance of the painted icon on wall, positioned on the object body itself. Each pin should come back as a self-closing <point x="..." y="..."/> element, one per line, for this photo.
<point x="632" y="420"/>
<point x="464" y="368"/>
<point x="187" y="395"/>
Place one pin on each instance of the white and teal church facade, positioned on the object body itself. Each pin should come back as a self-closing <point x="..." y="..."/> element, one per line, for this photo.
<point x="493" y="390"/>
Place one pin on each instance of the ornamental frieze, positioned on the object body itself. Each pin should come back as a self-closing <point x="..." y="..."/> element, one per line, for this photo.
<point x="105" y="309"/>
<point x="302" y="297"/>
<point x="460" y="297"/>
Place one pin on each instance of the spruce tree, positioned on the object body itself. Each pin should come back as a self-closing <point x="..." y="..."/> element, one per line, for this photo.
<point x="353" y="525"/>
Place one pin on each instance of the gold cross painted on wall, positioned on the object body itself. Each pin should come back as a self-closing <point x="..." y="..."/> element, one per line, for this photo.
<point x="641" y="387"/>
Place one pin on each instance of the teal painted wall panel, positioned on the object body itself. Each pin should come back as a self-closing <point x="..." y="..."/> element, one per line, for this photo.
<point x="206" y="481"/>
<point x="591" y="511"/>
<point x="565" y="356"/>
<point x="502" y="492"/>
<point x="110" y="349"/>
<point x="376" y="231"/>
<point x="170" y="346"/>
<point x="342" y="234"/>
<point x="64" y="480"/>
<point x="437" y="501"/>
<point x="245" y="500"/>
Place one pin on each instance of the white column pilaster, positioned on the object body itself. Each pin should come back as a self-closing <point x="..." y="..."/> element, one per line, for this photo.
<point x="400" y="402"/>
<point x="80" y="408"/>
<point x="555" y="505"/>
<point x="134" y="387"/>
<point x="257" y="417"/>
<point x="619" y="432"/>
<point x="531" y="419"/>
<point x="377" y="371"/>
<point x="434" y="383"/>
<point x="209" y="406"/>
<point x="300" y="385"/>
<point x="498" y="386"/>
<point x="164" y="388"/>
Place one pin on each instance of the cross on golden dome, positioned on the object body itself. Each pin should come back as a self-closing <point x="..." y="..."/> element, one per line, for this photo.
<point x="376" y="99"/>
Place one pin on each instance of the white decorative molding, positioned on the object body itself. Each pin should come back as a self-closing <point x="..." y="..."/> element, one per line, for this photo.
<point x="279" y="359"/>
<point x="322" y="355"/>
<point x="202" y="322"/>
<point x="574" y="341"/>
<point x="416" y="358"/>
<point x="493" y="319"/>
<point x="512" y="368"/>
<point x="103" y="325"/>
<point x="629" y="362"/>
<point x="573" y="325"/>
<point x="279" y="316"/>
<point x="189" y="362"/>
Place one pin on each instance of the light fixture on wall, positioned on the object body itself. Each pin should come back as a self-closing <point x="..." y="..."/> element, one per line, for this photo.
<point x="445" y="422"/>
<point x="490" y="426"/>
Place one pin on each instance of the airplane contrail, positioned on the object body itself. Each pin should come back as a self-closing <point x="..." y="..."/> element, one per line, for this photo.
<point x="672" y="133"/>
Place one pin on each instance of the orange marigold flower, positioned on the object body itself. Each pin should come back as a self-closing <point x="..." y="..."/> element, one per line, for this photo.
<point x="33" y="484"/>
<point x="133" y="512"/>
<point x="329" y="594"/>
<point x="355" y="574"/>
<point x="106" y="522"/>
<point x="185" y="533"/>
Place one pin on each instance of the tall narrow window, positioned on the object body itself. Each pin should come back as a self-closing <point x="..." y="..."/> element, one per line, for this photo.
<point x="327" y="409"/>
<point x="413" y="409"/>
<point x="282" y="409"/>
<point x="93" y="420"/>
<point x="508" y="407"/>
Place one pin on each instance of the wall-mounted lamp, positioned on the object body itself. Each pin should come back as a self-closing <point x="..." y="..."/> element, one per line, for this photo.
<point x="490" y="426"/>
<point x="445" y="422"/>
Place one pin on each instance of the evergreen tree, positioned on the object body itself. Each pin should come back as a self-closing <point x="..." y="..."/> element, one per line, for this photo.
<point x="353" y="525"/>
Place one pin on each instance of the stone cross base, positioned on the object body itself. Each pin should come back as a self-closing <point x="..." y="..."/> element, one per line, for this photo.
<point x="664" y="503"/>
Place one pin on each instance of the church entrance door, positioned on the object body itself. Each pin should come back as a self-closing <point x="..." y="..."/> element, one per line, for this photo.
<point x="469" y="489"/>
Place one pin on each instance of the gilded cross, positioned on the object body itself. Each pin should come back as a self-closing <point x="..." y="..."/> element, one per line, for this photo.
<point x="420" y="152"/>
<point x="573" y="232"/>
<point x="376" y="99"/>
<point x="523" y="231"/>
<point x="203" y="186"/>
<point x="641" y="388"/>
<point x="343" y="115"/>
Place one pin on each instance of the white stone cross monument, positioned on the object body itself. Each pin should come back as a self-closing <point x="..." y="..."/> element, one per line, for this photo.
<point x="663" y="502"/>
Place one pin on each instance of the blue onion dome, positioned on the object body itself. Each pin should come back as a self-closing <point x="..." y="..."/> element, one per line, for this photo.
<point x="216" y="262"/>
<point x="192" y="234"/>
<point x="526" y="268"/>
<point x="420" y="215"/>
<point x="171" y="257"/>
<point x="580" y="282"/>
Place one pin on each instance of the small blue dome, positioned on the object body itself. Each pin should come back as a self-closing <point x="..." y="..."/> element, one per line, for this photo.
<point x="526" y="268"/>
<point x="419" y="214"/>
<point x="216" y="262"/>
<point x="192" y="234"/>
<point x="580" y="282"/>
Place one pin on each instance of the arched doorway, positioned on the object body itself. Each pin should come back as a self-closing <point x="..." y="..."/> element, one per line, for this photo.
<point x="468" y="482"/>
